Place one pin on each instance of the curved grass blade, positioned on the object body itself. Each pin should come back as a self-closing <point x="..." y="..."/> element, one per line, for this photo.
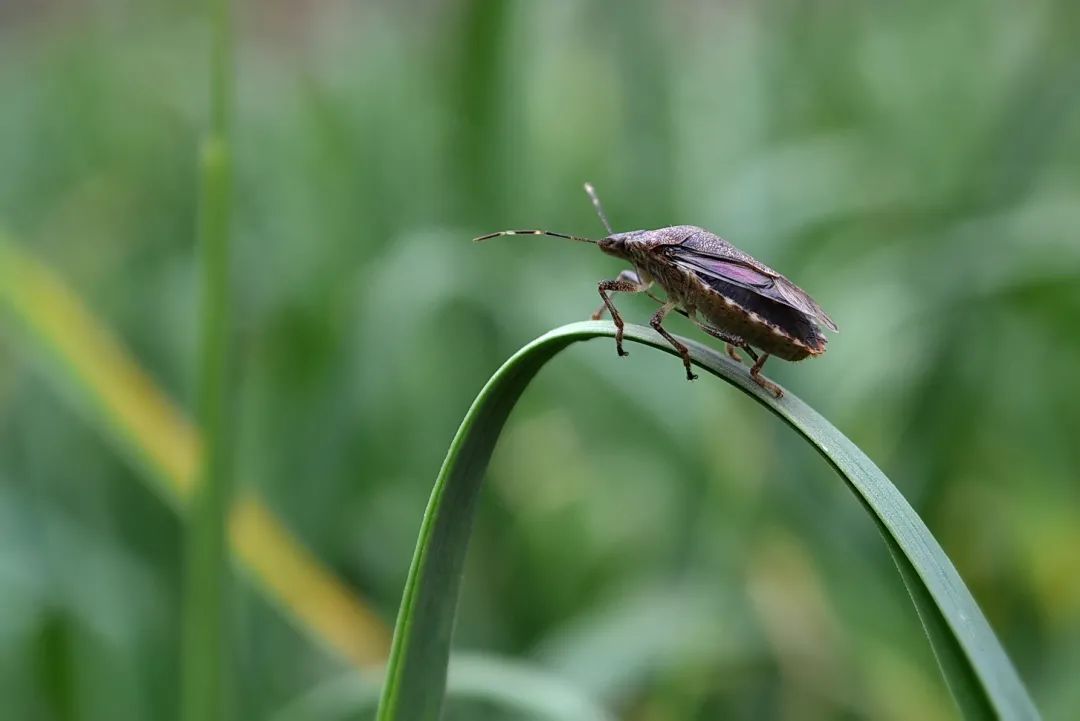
<point x="972" y="661"/>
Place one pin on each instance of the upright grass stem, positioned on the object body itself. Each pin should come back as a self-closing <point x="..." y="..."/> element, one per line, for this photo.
<point x="205" y="581"/>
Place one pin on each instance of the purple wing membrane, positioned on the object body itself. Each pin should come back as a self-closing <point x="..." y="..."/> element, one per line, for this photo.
<point x="773" y="286"/>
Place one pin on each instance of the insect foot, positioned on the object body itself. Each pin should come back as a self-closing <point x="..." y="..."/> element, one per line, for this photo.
<point x="684" y="353"/>
<point x="599" y="315"/>
<point x="755" y="375"/>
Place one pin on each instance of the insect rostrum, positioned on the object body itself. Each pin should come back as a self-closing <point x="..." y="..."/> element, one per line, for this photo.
<point x="722" y="290"/>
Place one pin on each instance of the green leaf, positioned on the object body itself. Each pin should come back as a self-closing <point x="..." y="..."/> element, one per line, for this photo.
<point x="972" y="661"/>
<point x="509" y="684"/>
<point x="204" y="675"/>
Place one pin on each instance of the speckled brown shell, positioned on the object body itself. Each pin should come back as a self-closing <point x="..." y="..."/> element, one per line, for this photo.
<point x="780" y="319"/>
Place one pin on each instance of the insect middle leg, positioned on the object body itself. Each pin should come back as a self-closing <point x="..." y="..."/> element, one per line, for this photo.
<point x="627" y="282"/>
<point x="755" y="374"/>
<point x="657" y="320"/>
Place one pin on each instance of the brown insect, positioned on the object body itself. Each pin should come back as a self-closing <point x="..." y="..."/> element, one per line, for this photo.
<point x="722" y="290"/>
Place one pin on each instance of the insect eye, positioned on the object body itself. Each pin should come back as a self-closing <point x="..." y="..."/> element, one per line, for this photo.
<point x="613" y="245"/>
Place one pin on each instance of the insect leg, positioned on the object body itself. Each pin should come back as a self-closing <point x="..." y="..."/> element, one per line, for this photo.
<point x="731" y="341"/>
<point x="603" y="308"/>
<point x="627" y="282"/>
<point x="656" y="321"/>
<point x="628" y="275"/>
<point x="755" y="374"/>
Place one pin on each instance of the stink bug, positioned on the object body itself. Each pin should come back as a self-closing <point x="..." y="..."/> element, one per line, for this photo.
<point x="739" y="300"/>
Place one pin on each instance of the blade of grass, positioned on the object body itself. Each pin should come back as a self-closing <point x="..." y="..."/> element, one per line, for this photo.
<point x="79" y="355"/>
<point x="206" y="574"/>
<point x="511" y="684"/>
<point x="88" y="365"/>
<point x="972" y="661"/>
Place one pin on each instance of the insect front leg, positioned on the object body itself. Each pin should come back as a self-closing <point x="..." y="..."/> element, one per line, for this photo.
<point x="755" y="374"/>
<point x="630" y="275"/>
<point x="627" y="282"/>
<point x="657" y="320"/>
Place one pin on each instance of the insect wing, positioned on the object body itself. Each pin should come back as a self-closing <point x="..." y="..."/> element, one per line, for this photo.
<point x="732" y="270"/>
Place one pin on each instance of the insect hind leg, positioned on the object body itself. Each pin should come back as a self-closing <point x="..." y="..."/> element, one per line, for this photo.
<point x="755" y="374"/>
<point x="731" y="341"/>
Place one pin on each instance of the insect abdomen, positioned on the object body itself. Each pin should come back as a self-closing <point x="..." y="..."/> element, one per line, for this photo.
<point x="773" y="327"/>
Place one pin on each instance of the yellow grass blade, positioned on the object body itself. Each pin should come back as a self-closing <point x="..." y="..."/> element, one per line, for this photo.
<point x="154" y="432"/>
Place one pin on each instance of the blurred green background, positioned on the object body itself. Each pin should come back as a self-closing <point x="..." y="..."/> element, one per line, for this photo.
<point x="664" y="547"/>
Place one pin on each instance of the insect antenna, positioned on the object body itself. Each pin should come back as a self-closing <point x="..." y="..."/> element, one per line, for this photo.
<point x="599" y="208"/>
<point x="489" y="236"/>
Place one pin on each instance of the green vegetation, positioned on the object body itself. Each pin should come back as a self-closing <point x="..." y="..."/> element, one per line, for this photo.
<point x="663" y="549"/>
<point x="206" y="590"/>
<point x="981" y="678"/>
